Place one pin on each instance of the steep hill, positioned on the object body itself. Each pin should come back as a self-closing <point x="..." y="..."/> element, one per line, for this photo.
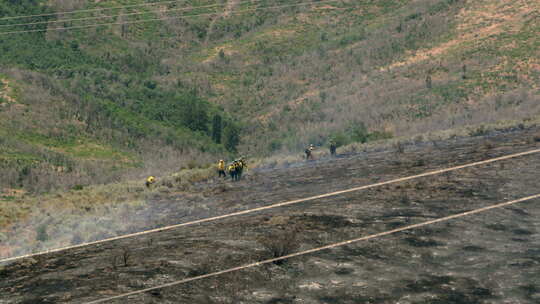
<point x="279" y="74"/>
<point x="71" y="118"/>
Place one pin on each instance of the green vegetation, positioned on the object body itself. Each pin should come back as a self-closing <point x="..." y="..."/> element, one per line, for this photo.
<point x="144" y="97"/>
<point x="91" y="100"/>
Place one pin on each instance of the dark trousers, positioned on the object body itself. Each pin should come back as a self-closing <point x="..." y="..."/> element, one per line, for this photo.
<point x="221" y="173"/>
<point x="238" y="173"/>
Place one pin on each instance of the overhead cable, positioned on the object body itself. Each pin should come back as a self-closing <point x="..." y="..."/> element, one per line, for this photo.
<point x="313" y="250"/>
<point x="277" y="205"/>
<point x="168" y="18"/>
<point x="123" y="15"/>
<point x="90" y="10"/>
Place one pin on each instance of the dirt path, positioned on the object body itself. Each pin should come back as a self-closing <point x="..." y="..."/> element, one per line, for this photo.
<point x="488" y="258"/>
<point x="230" y="5"/>
<point x="6" y="91"/>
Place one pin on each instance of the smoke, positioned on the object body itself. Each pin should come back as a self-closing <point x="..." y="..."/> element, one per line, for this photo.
<point x="49" y="228"/>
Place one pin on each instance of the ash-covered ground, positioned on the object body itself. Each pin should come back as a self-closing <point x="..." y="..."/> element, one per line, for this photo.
<point x="492" y="257"/>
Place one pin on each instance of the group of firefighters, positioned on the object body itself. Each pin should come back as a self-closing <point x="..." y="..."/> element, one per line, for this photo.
<point x="236" y="167"/>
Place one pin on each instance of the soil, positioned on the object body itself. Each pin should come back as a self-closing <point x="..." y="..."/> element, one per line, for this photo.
<point x="491" y="257"/>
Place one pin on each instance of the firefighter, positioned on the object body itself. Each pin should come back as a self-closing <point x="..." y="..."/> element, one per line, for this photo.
<point x="150" y="181"/>
<point x="333" y="148"/>
<point x="243" y="163"/>
<point x="221" y="168"/>
<point x="239" y="169"/>
<point x="309" y="152"/>
<point x="232" y="171"/>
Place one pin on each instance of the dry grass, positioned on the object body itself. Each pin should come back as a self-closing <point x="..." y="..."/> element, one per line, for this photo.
<point x="464" y="131"/>
<point x="6" y="91"/>
<point x="477" y="22"/>
<point x="279" y="160"/>
<point x="134" y="192"/>
<point x="95" y="212"/>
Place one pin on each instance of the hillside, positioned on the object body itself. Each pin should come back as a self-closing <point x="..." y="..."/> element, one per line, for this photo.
<point x="71" y="118"/>
<point x="96" y="95"/>
<point x="489" y="257"/>
<point x="143" y="96"/>
<point x="369" y="70"/>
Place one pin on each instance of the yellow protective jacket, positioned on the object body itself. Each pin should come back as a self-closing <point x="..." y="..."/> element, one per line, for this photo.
<point x="150" y="179"/>
<point x="221" y="165"/>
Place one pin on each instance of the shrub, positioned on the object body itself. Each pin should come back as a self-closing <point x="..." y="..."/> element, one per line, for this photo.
<point x="340" y="139"/>
<point x="280" y="244"/>
<point x="419" y="162"/>
<point x="488" y="145"/>
<point x="478" y="131"/>
<point x="77" y="187"/>
<point x="359" y="133"/>
<point x="404" y="199"/>
<point x="41" y="233"/>
<point x="399" y="146"/>
<point x="274" y="145"/>
<point x="126" y="255"/>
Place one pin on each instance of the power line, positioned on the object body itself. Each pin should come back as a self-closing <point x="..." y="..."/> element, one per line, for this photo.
<point x="123" y="15"/>
<point x="313" y="250"/>
<point x="90" y="10"/>
<point x="282" y="204"/>
<point x="167" y="18"/>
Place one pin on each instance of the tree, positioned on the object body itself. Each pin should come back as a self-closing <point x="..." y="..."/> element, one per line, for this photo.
<point x="195" y="115"/>
<point x="216" y="129"/>
<point x="428" y="81"/>
<point x="359" y="132"/>
<point x="231" y="137"/>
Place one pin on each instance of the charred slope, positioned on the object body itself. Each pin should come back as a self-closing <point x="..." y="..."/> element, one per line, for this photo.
<point x="489" y="257"/>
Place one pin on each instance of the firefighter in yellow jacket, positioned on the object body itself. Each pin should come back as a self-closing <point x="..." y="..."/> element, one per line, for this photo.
<point x="221" y="168"/>
<point x="232" y="172"/>
<point x="149" y="181"/>
<point x="240" y="167"/>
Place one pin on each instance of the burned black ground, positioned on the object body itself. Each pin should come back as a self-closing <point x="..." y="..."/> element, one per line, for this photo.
<point x="492" y="257"/>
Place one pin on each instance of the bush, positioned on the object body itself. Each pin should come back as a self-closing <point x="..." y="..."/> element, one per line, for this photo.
<point x="77" y="187"/>
<point x="274" y="145"/>
<point x="399" y="147"/>
<point x="41" y="233"/>
<point x="419" y="162"/>
<point x="340" y="139"/>
<point x="280" y="244"/>
<point x="478" y="131"/>
<point x="359" y="133"/>
<point x="488" y="145"/>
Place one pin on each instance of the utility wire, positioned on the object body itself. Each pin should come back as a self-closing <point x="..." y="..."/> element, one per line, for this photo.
<point x="277" y="205"/>
<point x="313" y="250"/>
<point x="123" y="15"/>
<point x="167" y="18"/>
<point x="89" y="10"/>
